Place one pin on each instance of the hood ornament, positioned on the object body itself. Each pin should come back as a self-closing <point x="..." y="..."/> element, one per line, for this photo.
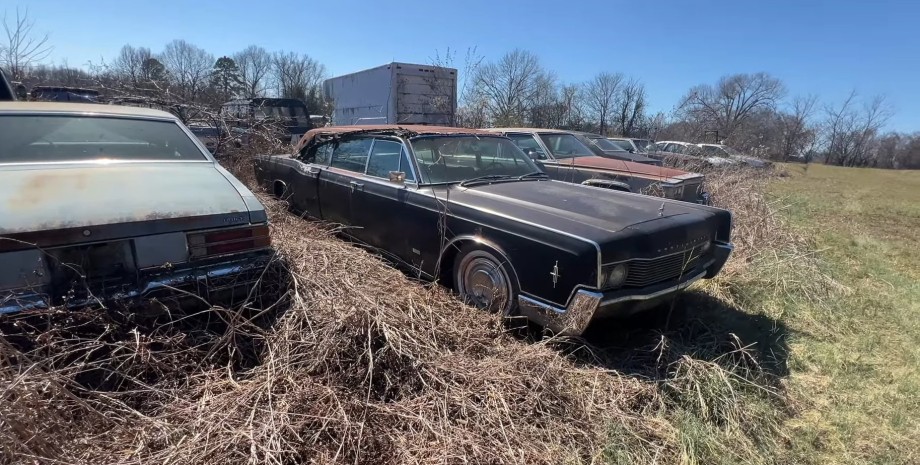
<point x="661" y="210"/>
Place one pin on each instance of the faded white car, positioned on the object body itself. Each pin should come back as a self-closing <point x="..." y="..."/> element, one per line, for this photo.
<point x="107" y="204"/>
<point x="720" y="150"/>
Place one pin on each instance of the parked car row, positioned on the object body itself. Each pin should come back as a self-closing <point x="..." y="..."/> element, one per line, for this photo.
<point x="471" y="209"/>
<point x="115" y="205"/>
<point x="709" y="154"/>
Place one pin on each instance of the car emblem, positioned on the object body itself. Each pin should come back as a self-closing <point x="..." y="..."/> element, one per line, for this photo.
<point x="555" y="274"/>
<point x="87" y="233"/>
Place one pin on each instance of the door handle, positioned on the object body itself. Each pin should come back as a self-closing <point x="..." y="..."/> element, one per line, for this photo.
<point x="313" y="170"/>
<point x="355" y="185"/>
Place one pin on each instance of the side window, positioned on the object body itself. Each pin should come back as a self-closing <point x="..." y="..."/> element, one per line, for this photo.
<point x="351" y="155"/>
<point x="386" y="156"/>
<point x="527" y="143"/>
<point x="318" y="154"/>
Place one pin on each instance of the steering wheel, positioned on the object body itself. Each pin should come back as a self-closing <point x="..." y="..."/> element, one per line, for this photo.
<point x="492" y="165"/>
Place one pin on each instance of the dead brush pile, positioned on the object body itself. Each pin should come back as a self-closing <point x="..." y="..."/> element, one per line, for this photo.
<point x="769" y="256"/>
<point x="355" y="363"/>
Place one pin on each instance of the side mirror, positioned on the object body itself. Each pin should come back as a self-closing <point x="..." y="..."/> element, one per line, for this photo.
<point x="397" y="177"/>
<point x="533" y="154"/>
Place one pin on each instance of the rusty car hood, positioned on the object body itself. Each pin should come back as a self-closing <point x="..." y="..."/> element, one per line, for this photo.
<point x="94" y="200"/>
<point x="640" y="169"/>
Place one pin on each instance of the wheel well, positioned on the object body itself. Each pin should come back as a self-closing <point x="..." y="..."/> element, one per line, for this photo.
<point x="445" y="269"/>
<point x="278" y="188"/>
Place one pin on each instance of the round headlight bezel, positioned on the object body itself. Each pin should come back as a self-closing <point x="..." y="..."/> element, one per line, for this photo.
<point x="616" y="276"/>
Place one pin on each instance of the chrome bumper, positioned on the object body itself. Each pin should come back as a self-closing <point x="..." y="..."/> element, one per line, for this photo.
<point x="586" y="306"/>
<point x="215" y="283"/>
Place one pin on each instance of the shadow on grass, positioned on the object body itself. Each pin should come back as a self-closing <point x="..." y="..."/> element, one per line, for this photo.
<point x="695" y="324"/>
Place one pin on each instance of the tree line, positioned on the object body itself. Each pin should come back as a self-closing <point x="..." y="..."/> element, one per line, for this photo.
<point x="752" y="112"/>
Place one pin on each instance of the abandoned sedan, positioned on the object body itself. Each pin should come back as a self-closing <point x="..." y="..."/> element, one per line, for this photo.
<point x="101" y="204"/>
<point x="469" y="208"/>
<point x="565" y="158"/>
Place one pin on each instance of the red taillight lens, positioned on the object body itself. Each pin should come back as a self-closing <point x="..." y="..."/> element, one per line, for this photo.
<point x="226" y="241"/>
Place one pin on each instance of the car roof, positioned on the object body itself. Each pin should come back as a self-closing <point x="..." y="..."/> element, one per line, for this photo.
<point x="560" y="131"/>
<point x="409" y="130"/>
<point x="84" y="108"/>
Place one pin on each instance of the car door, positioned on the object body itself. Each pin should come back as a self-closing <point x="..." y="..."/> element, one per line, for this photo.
<point x="342" y="178"/>
<point x="380" y="211"/>
<point x="303" y="178"/>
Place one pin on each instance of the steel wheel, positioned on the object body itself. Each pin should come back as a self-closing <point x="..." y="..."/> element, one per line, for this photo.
<point x="482" y="281"/>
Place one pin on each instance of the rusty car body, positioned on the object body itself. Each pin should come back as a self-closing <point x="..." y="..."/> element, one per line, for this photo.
<point x="565" y="158"/>
<point x="104" y="204"/>
<point x="468" y="208"/>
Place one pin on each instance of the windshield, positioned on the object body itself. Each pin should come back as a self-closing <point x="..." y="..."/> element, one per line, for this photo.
<point x="31" y="139"/>
<point x="565" y="146"/>
<point x="643" y="144"/>
<point x="450" y="159"/>
<point x="621" y="144"/>
<point x="713" y="151"/>
<point x="730" y="150"/>
<point x="609" y="145"/>
<point x="281" y="111"/>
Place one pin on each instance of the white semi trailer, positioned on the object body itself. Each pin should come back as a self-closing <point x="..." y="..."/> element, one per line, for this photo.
<point x="397" y="93"/>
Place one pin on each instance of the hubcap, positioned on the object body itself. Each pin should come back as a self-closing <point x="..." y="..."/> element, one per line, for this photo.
<point x="484" y="285"/>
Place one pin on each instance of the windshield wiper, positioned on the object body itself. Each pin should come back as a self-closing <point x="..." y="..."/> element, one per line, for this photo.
<point x="535" y="174"/>
<point x="484" y="179"/>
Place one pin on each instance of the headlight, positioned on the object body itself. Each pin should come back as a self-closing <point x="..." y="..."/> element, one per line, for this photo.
<point x="615" y="276"/>
<point x="705" y="247"/>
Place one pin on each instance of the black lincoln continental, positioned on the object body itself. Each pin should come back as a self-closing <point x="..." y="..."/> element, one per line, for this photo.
<point x="470" y="209"/>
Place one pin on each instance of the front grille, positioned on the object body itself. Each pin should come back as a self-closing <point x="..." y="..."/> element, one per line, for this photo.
<point x="647" y="272"/>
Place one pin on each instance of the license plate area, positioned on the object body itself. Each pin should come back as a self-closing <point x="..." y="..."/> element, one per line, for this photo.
<point x="92" y="265"/>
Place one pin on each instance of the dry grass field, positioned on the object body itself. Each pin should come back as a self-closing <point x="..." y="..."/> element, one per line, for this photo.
<point x="804" y="350"/>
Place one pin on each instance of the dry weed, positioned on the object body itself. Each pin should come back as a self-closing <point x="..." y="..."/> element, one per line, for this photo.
<point x="356" y="363"/>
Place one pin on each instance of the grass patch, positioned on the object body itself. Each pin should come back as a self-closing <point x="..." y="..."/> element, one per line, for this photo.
<point x="855" y="359"/>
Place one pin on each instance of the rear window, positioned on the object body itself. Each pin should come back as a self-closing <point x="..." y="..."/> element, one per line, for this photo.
<point x="30" y="139"/>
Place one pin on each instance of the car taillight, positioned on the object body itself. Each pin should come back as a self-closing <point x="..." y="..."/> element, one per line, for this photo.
<point x="226" y="241"/>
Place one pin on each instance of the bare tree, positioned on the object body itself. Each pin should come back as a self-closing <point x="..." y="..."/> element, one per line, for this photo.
<point x="570" y="100"/>
<point x="725" y="106"/>
<point x="23" y="48"/>
<point x="131" y="62"/>
<point x="600" y="96"/>
<point x="508" y="87"/>
<point x="299" y="76"/>
<point x="255" y="67"/>
<point x="189" y="67"/>
<point x="465" y="105"/>
<point x="630" y="107"/>
<point x="798" y="134"/>
<point x="852" y="129"/>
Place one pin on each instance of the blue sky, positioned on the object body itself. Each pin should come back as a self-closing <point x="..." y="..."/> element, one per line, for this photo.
<point x="816" y="47"/>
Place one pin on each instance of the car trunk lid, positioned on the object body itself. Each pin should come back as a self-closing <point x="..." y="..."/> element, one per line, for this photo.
<point x="48" y="205"/>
